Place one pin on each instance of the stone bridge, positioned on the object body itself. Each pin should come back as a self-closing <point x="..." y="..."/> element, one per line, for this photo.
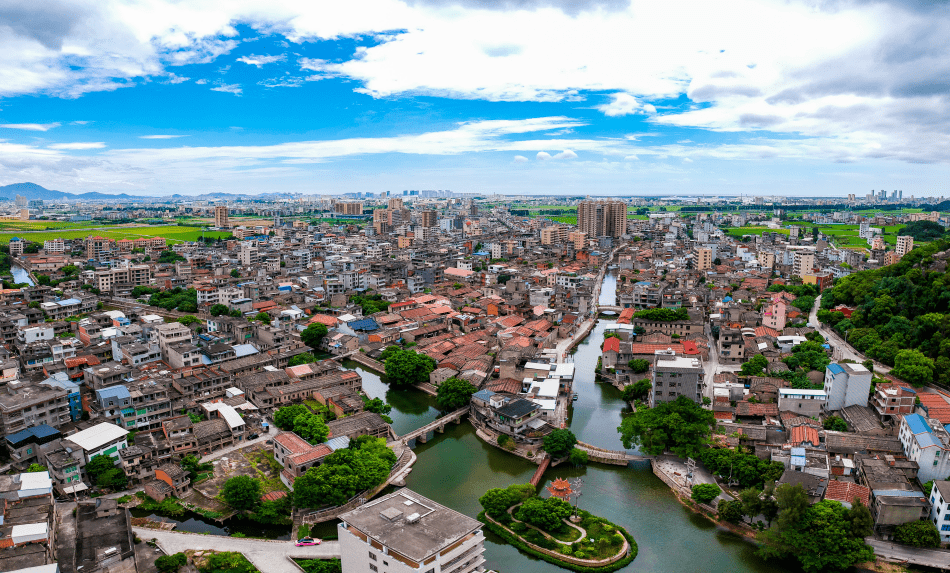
<point x="607" y="307"/>
<point x="612" y="457"/>
<point x="421" y="435"/>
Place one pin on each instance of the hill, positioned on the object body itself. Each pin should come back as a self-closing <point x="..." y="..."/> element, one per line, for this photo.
<point x="34" y="191"/>
<point x="902" y="315"/>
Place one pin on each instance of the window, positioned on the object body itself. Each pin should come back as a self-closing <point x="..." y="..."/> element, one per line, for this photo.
<point x="945" y="528"/>
<point x="372" y="556"/>
<point x="372" y="567"/>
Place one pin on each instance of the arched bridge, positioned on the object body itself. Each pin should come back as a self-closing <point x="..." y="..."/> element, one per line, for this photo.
<point x="606" y="307"/>
<point x="614" y="457"/>
<point x="421" y="435"/>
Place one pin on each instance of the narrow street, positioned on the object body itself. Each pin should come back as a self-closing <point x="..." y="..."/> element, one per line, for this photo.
<point x="936" y="558"/>
<point x="841" y="350"/>
<point x="267" y="556"/>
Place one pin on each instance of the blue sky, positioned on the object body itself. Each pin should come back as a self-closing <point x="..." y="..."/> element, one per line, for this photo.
<point x="603" y="97"/>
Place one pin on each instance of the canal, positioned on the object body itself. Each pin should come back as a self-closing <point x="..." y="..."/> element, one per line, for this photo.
<point x="20" y="275"/>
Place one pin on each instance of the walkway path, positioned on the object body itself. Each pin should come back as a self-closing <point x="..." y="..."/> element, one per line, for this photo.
<point x="545" y="533"/>
<point x="841" y="350"/>
<point x="268" y="556"/>
<point x="936" y="558"/>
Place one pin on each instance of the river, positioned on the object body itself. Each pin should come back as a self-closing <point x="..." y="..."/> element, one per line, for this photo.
<point x="20" y="275"/>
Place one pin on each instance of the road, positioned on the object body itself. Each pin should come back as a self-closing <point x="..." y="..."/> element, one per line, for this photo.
<point x="936" y="558"/>
<point x="841" y="350"/>
<point x="713" y="367"/>
<point x="268" y="556"/>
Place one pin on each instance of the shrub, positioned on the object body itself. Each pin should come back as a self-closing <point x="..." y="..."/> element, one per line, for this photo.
<point x="580" y="554"/>
<point x="169" y="563"/>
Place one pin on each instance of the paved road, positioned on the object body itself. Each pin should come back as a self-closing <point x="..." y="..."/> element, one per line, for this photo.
<point x="928" y="557"/>
<point x="267" y="556"/>
<point x="840" y="349"/>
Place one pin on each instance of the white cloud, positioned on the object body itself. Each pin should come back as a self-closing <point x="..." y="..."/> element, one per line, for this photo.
<point x="687" y="160"/>
<point x="201" y="81"/>
<point x="620" y="104"/>
<point x="543" y="156"/>
<point x="260" y="61"/>
<point x="31" y="126"/>
<point x="228" y="88"/>
<point x="566" y="154"/>
<point x="632" y="158"/>
<point x="78" y="146"/>
<point x="520" y="159"/>
<point x="163" y="136"/>
<point x="79" y="122"/>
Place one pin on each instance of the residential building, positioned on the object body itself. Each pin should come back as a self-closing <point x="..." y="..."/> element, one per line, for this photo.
<point x="102" y="439"/>
<point x="348" y="208"/>
<point x="675" y="376"/>
<point x="905" y="243"/>
<point x="846" y="385"/>
<point x="405" y="532"/>
<point x="554" y="235"/>
<point x="940" y="508"/>
<point x="704" y="259"/>
<point x="893" y="400"/>
<point x="808" y="403"/>
<point x="602" y="218"/>
<point x="221" y="217"/>
<point x="804" y="264"/>
<point x="926" y="443"/>
<point x="428" y="219"/>
<point x="54" y="246"/>
<point x="99" y="248"/>
<point x="24" y="405"/>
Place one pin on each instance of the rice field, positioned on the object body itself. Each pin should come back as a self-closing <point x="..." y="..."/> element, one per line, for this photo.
<point x="172" y="234"/>
<point x="753" y="230"/>
<point x="45" y="225"/>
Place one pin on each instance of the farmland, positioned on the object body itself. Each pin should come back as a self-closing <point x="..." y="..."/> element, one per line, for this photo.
<point x="172" y="233"/>
<point x="845" y="236"/>
<point x="753" y="230"/>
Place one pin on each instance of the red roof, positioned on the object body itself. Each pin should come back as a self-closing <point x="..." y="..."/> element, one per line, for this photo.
<point x="318" y="451"/>
<point x="273" y="495"/>
<point x="802" y="434"/>
<point x="722" y="415"/>
<point x="292" y="442"/>
<point x="689" y="347"/>
<point x="612" y="344"/>
<point x="846" y="491"/>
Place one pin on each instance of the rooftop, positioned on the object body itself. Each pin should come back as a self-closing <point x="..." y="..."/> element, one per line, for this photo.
<point x="97" y="436"/>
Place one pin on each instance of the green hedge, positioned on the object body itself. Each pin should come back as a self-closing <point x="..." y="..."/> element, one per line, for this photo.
<point x="508" y="537"/>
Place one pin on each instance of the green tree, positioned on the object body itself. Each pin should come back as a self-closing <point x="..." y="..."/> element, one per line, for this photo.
<point x="755" y="366"/>
<point x="823" y="539"/>
<point x="305" y="358"/>
<point x="218" y="309"/>
<point x="242" y="493"/>
<point x="681" y="426"/>
<point x="912" y="366"/>
<point x="408" y="367"/>
<point x="921" y="533"/>
<point x="578" y="457"/>
<point x="263" y="317"/>
<point x="637" y="391"/>
<point x="35" y="467"/>
<point x="454" y="393"/>
<point x="835" y="423"/>
<point x="731" y="511"/>
<point x="313" y="335"/>
<point x="364" y="464"/>
<point x="311" y="427"/>
<point x="639" y="365"/>
<point x="189" y="320"/>
<point x="705" y="492"/>
<point x="862" y="522"/>
<point x="496" y="501"/>
<point x="751" y="499"/>
<point x="171" y="563"/>
<point x="377" y="406"/>
<point x="170" y="257"/>
<point x="559" y="443"/>
<point x="103" y="473"/>
<point x="193" y="466"/>
<point x="235" y="273"/>
<point x="546" y="514"/>
<point x="284" y="417"/>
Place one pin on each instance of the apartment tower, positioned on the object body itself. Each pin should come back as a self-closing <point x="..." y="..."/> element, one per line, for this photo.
<point x="602" y="218"/>
<point x="221" y="217"/>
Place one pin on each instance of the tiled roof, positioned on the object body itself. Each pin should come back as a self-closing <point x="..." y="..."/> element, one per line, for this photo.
<point x="755" y="409"/>
<point x="317" y="452"/>
<point x="292" y="442"/>
<point x="846" y="492"/>
<point x="612" y="345"/>
<point x="804" y="434"/>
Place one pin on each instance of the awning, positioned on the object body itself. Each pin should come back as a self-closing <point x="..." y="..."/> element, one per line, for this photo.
<point x="75" y="488"/>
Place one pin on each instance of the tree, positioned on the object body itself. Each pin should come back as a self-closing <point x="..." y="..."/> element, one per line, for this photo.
<point x="218" y="309"/>
<point x="681" y="427"/>
<point x="377" y="406"/>
<point x="496" y="501"/>
<point x="170" y="257"/>
<point x="236" y="313"/>
<point x="922" y="533"/>
<point x="705" y="492"/>
<point x="102" y="472"/>
<point x="189" y="320"/>
<point x="546" y="514"/>
<point x="639" y="365"/>
<point x="263" y="317"/>
<point x="731" y="511"/>
<point x="34" y="467"/>
<point x="756" y="366"/>
<point x="311" y="427"/>
<point x="862" y="522"/>
<point x="914" y="367"/>
<point x="578" y="457"/>
<point x="559" y="443"/>
<point x="751" y="499"/>
<point x="454" y="393"/>
<point x="638" y="390"/>
<point x="717" y="261"/>
<point x="305" y="358"/>
<point x="235" y="273"/>
<point x="242" y="493"/>
<point x="284" y="417"/>
<point x="193" y="466"/>
<point x="171" y="563"/>
<point x="313" y="335"/>
<point x="835" y="423"/>
<point x="408" y="367"/>
<point x="364" y="464"/>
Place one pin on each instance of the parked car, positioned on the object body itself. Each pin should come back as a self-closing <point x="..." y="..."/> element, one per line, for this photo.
<point x="253" y="437"/>
<point x="269" y="442"/>
<point x="307" y="542"/>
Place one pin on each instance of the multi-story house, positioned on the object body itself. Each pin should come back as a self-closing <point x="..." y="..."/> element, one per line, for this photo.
<point x="927" y="443"/>
<point x="675" y="376"/>
<point x="893" y="400"/>
<point x="24" y="405"/>
<point x="847" y="384"/>
<point x="940" y="508"/>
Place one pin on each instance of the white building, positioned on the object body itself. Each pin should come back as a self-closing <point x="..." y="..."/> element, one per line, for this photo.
<point x="928" y="445"/>
<point x="846" y="385"/>
<point x="404" y="532"/>
<point x="940" y="509"/>
<point x="102" y="439"/>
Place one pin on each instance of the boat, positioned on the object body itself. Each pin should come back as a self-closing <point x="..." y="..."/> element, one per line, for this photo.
<point x="574" y="398"/>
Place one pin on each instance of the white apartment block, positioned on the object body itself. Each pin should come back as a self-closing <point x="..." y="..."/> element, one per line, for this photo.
<point x="926" y="443"/>
<point x="804" y="264"/>
<point x="940" y="509"/>
<point x="404" y="532"/>
<point x="847" y="385"/>
<point x="54" y="246"/>
<point x="905" y="244"/>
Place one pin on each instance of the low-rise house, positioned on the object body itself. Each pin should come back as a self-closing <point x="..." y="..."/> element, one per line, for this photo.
<point x="102" y="439"/>
<point x="805" y="402"/>
<point x="893" y="507"/>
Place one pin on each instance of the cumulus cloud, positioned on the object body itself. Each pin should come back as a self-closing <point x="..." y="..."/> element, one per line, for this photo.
<point x="78" y="146"/>
<point x="260" y="61"/>
<point x="566" y="154"/>
<point x="520" y="159"/>
<point x="30" y="126"/>
<point x="543" y="156"/>
<point x="161" y="136"/>
<point x="620" y="104"/>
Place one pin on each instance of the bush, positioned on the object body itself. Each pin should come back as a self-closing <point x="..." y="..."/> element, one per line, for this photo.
<point x="169" y="563"/>
<point x="705" y="492"/>
<point x="922" y="533"/>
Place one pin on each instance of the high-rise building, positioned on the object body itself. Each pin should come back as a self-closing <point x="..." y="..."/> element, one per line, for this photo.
<point x="21" y="201"/>
<point x="348" y="208"/>
<point x="428" y="218"/>
<point x="395" y="203"/>
<point x="905" y="244"/>
<point x="221" y="217"/>
<point x="804" y="264"/>
<point x="703" y="259"/>
<point x="553" y="235"/>
<point x="404" y="532"/>
<point x="602" y="218"/>
<point x="98" y="247"/>
<point x="579" y="239"/>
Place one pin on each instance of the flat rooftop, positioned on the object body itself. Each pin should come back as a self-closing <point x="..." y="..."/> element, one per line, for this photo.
<point x="385" y="520"/>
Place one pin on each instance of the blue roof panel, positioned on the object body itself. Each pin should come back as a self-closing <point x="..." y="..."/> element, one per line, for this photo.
<point x="927" y="440"/>
<point x="364" y="324"/>
<point x="114" y="392"/>
<point x="917" y="424"/>
<point x="835" y="368"/>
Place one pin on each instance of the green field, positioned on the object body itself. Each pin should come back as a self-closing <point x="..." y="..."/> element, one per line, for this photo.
<point x="753" y="230"/>
<point x="172" y="233"/>
<point x="842" y="235"/>
<point x="44" y="225"/>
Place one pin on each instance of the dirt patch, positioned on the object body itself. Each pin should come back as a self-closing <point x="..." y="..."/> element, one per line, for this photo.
<point x="256" y="461"/>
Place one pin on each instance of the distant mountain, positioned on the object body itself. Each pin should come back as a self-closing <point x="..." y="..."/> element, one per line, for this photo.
<point x="34" y="191"/>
